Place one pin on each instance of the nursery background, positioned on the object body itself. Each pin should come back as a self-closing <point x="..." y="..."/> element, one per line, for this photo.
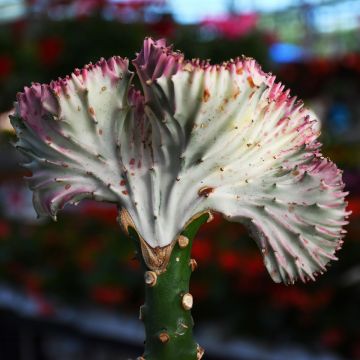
<point x="72" y="289"/>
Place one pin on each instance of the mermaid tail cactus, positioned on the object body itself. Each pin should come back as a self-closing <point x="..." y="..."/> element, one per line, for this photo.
<point x="200" y="138"/>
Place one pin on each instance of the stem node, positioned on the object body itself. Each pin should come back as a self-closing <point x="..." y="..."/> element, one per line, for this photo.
<point x="183" y="241"/>
<point x="150" y="278"/>
<point x="187" y="301"/>
<point x="164" y="337"/>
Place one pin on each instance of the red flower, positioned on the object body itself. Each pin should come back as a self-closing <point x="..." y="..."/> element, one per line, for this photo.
<point x="87" y="254"/>
<point x="102" y="212"/>
<point x="292" y="298"/>
<point x="352" y="61"/>
<point x="18" y="28"/>
<point x="15" y="270"/>
<point x="165" y="27"/>
<point x="234" y="26"/>
<point x="86" y="262"/>
<point x="85" y="8"/>
<point x="50" y="50"/>
<point x="332" y="338"/>
<point x="229" y="261"/>
<point x="133" y="263"/>
<point x="4" y="229"/>
<point x="108" y="295"/>
<point x="300" y="299"/>
<point x="33" y="283"/>
<point x="44" y="307"/>
<point x="354" y="206"/>
<point x="356" y="350"/>
<point x="201" y="250"/>
<point x="6" y="66"/>
<point x="137" y="5"/>
<point x="253" y="265"/>
<point x="321" y="67"/>
<point x="199" y="291"/>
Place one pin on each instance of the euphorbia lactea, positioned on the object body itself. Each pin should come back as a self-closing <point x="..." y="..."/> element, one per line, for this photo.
<point x="201" y="138"/>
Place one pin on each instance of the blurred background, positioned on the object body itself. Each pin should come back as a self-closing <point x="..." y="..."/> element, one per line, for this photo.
<point x="72" y="289"/>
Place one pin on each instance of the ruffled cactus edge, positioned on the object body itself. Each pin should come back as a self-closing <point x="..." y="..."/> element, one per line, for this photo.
<point x="224" y="138"/>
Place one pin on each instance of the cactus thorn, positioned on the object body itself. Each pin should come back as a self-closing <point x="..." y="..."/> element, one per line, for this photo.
<point x="211" y="217"/>
<point x="199" y="352"/>
<point x="193" y="264"/>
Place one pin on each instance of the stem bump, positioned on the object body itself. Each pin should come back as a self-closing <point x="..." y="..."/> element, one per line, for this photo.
<point x="183" y="241"/>
<point x="187" y="301"/>
<point x="164" y="337"/>
<point x="150" y="278"/>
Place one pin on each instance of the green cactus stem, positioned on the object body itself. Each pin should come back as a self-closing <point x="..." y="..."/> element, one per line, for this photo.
<point x="167" y="310"/>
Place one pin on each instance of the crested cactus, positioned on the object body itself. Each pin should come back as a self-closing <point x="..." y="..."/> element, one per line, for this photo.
<point x="199" y="138"/>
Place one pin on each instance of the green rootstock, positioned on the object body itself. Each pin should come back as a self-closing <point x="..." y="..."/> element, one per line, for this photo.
<point x="166" y="312"/>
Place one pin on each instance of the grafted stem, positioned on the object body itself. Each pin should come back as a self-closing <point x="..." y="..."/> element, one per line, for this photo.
<point x="167" y="309"/>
